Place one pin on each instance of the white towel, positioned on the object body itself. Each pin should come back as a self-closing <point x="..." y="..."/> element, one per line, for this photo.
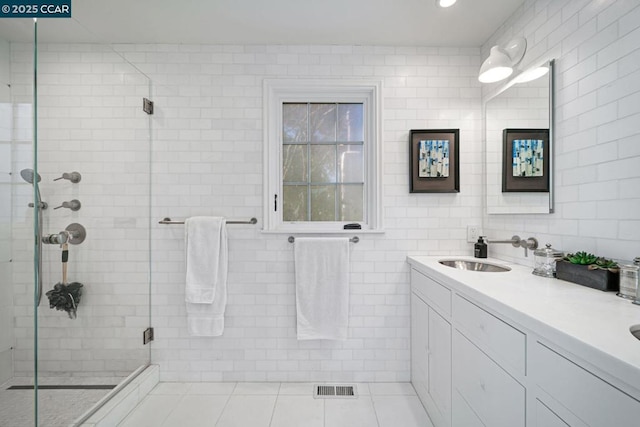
<point x="206" y="281"/>
<point x="322" y="287"/>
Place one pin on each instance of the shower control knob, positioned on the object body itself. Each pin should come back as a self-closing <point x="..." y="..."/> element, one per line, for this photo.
<point x="77" y="233"/>
<point x="74" y="205"/>
<point x="56" y="239"/>
<point x="74" y="177"/>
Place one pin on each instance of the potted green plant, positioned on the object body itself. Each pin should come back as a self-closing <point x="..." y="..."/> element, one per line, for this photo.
<point x="589" y="270"/>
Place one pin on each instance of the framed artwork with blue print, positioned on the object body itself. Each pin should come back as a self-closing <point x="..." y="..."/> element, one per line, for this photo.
<point x="434" y="161"/>
<point x="525" y="160"/>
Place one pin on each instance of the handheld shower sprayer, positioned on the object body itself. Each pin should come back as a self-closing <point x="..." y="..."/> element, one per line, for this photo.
<point x="33" y="178"/>
<point x="28" y="175"/>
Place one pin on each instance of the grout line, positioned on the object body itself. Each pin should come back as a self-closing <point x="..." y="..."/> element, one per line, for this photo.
<point x="373" y="405"/>
<point x="225" y="404"/>
<point x="324" y="412"/>
<point x="188" y="388"/>
<point x="273" y="411"/>
<point x="183" y="397"/>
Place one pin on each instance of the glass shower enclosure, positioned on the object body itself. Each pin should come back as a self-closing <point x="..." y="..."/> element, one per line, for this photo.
<point x="75" y="177"/>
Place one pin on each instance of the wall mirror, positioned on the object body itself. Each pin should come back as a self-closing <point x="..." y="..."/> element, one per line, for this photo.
<point x="519" y="105"/>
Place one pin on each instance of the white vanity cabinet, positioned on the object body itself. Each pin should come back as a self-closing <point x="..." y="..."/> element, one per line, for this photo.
<point x="577" y="395"/>
<point x="431" y="346"/>
<point x="473" y="365"/>
<point x="488" y="356"/>
<point x="451" y="364"/>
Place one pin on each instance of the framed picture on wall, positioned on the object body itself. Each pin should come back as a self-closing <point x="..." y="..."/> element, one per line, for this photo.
<point x="434" y="165"/>
<point x="525" y="160"/>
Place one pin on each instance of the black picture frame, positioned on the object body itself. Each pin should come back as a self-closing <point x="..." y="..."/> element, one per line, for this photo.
<point x="445" y="176"/>
<point x="538" y="178"/>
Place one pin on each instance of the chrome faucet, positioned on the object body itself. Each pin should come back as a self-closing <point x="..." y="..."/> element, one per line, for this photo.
<point x="517" y="242"/>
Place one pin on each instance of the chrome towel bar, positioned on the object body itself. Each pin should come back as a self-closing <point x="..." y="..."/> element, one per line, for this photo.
<point x="168" y="220"/>
<point x="354" y="239"/>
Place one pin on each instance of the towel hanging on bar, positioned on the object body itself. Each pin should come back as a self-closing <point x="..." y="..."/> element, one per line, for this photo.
<point x="322" y="287"/>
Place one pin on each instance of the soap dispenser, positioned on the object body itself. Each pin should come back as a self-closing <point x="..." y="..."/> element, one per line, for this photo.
<point x="480" y="248"/>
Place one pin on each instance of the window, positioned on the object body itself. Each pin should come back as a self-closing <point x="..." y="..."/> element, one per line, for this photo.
<point x="321" y="155"/>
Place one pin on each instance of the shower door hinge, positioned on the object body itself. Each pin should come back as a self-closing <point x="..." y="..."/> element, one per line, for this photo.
<point x="147" y="336"/>
<point x="147" y="106"/>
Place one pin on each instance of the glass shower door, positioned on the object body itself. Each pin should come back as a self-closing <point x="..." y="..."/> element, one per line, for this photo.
<point x="79" y="141"/>
<point x="17" y="396"/>
<point x="94" y="152"/>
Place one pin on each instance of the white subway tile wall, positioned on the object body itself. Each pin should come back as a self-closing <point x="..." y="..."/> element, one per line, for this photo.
<point x="597" y="173"/>
<point x="207" y="160"/>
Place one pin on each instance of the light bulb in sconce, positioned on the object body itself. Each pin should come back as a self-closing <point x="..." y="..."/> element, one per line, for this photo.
<point x="497" y="66"/>
<point x="445" y="3"/>
<point x="501" y="61"/>
<point x="531" y="74"/>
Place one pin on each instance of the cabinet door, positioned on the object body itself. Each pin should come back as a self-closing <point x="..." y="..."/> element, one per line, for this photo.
<point x="545" y="417"/>
<point x="492" y="394"/>
<point x="419" y="356"/>
<point x="463" y="416"/>
<point x="584" y="394"/>
<point x="439" y="374"/>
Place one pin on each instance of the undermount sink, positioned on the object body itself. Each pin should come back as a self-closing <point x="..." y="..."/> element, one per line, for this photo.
<point x="461" y="264"/>
<point x="635" y="331"/>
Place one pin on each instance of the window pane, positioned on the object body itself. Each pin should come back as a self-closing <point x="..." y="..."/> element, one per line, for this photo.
<point x="350" y="163"/>
<point x="322" y="122"/>
<point x="294" y="203"/>
<point x="294" y="163"/>
<point x="350" y="126"/>
<point x="294" y="123"/>
<point x="323" y="203"/>
<point x="350" y="202"/>
<point x="323" y="163"/>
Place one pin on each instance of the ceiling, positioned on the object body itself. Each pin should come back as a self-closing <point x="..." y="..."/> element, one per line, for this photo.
<point x="350" y="22"/>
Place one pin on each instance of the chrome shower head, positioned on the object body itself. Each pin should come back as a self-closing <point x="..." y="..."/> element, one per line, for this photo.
<point x="27" y="175"/>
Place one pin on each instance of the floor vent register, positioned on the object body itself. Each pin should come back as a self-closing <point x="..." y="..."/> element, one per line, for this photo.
<point x="334" y="392"/>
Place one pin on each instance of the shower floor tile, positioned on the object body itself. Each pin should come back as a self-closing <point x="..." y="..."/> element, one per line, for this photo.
<point x="56" y="408"/>
<point x="276" y="405"/>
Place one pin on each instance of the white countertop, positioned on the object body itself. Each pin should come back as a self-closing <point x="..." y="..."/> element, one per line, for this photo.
<point x="591" y="324"/>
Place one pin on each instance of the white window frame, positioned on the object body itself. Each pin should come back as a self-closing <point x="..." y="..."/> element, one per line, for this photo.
<point x="279" y="91"/>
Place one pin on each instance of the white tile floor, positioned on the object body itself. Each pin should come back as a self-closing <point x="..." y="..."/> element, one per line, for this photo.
<point x="276" y="405"/>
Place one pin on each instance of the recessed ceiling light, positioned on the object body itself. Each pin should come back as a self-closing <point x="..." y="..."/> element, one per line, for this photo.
<point x="445" y="3"/>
